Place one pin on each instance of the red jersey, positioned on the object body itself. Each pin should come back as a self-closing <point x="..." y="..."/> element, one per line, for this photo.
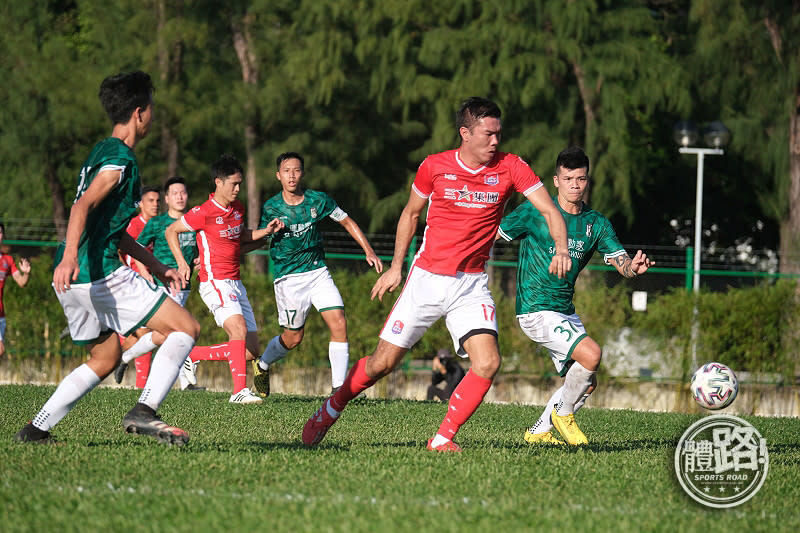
<point x="134" y="229"/>
<point x="7" y="267"/>
<point x="465" y="206"/>
<point x="218" y="231"/>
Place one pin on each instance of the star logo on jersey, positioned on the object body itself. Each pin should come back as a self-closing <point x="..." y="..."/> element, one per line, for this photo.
<point x="313" y="212"/>
<point x="219" y="220"/>
<point x="397" y="327"/>
<point x="588" y="230"/>
<point x="494" y="179"/>
<point x="464" y="194"/>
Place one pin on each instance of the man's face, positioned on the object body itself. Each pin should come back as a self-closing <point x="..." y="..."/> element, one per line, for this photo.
<point x="149" y="204"/>
<point x="176" y="196"/>
<point x="571" y="183"/>
<point x="228" y="189"/>
<point x="290" y="173"/>
<point x="482" y="140"/>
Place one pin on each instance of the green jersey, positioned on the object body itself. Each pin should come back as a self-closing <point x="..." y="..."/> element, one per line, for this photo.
<point x="537" y="289"/>
<point x="106" y="223"/>
<point x="298" y="247"/>
<point x="153" y="233"/>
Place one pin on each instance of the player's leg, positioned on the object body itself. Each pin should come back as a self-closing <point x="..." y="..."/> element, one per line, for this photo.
<point x="180" y="330"/>
<point x="103" y="356"/>
<point x="338" y="347"/>
<point x="578" y="382"/>
<point x="2" y="336"/>
<point x="326" y="298"/>
<point x="363" y="375"/>
<point x="468" y="395"/>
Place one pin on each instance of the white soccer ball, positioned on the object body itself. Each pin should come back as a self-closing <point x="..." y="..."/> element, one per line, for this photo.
<point x="714" y="386"/>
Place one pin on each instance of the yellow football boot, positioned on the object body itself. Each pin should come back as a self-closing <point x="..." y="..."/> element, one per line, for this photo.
<point x="568" y="428"/>
<point x="541" y="438"/>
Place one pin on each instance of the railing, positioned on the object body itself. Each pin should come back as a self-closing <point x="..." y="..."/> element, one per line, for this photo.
<point x="678" y="261"/>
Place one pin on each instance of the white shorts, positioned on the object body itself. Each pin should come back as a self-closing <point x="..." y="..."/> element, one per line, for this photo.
<point x="295" y="294"/>
<point x="225" y="298"/>
<point x="2" y="329"/>
<point x="464" y="300"/>
<point x="123" y="302"/>
<point x="179" y="298"/>
<point x="557" y="332"/>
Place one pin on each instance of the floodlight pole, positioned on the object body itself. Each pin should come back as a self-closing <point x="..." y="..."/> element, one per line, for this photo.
<point x="698" y="208"/>
<point x="698" y="234"/>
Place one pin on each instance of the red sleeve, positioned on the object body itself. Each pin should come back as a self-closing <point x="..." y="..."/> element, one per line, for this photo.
<point x="133" y="228"/>
<point x="423" y="182"/>
<point x="524" y="178"/>
<point x="195" y="219"/>
<point x="13" y="265"/>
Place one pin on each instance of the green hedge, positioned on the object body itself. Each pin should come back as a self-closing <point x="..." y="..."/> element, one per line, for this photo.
<point x="751" y="329"/>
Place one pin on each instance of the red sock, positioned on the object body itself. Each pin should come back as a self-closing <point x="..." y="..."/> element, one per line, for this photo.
<point x="238" y="364"/>
<point x="142" y="370"/>
<point x="356" y="382"/>
<point x="464" y="401"/>
<point x="218" y="352"/>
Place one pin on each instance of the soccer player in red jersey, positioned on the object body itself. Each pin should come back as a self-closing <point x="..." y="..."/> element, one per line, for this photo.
<point x="219" y="223"/>
<point x="465" y="191"/>
<point x="148" y="206"/>
<point x="20" y="275"/>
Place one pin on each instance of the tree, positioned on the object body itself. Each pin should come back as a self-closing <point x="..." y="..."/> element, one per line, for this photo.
<point x="747" y="66"/>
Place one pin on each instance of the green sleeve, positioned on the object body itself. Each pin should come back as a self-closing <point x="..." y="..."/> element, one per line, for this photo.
<point x="515" y="224"/>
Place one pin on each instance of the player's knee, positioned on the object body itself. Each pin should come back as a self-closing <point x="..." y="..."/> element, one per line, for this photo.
<point x="486" y="367"/>
<point x="292" y="338"/>
<point x="193" y="328"/>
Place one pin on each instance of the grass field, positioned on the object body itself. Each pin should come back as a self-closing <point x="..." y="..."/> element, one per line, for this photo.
<point x="245" y="470"/>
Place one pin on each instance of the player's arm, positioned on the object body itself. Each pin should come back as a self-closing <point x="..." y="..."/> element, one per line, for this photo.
<point x="355" y="232"/>
<point x="406" y="228"/>
<point x="171" y="235"/>
<point x="68" y="269"/>
<point x="169" y="276"/>
<point x="561" y="262"/>
<point x="254" y="239"/>
<point x="630" y="268"/>
<point x="22" y="275"/>
<point x="144" y="238"/>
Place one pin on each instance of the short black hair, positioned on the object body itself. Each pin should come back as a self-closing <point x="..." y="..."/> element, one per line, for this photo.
<point x="2" y="227"/>
<point x="290" y="155"/>
<point x="572" y="158"/>
<point x="172" y="181"/>
<point x="122" y="93"/>
<point x="148" y="189"/>
<point x="226" y="165"/>
<point x="473" y="109"/>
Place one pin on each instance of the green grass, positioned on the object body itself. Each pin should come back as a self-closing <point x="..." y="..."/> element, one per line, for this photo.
<point x="245" y="469"/>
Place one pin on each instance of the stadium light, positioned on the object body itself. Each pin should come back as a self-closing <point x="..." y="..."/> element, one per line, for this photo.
<point x="716" y="135"/>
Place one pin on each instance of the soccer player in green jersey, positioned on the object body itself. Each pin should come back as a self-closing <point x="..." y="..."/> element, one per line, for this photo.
<point x="99" y="294"/>
<point x="544" y="303"/>
<point x="152" y="236"/>
<point x="301" y="276"/>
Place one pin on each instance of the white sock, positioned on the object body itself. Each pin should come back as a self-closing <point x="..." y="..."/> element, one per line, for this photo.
<point x="576" y="383"/>
<point x="272" y="353"/>
<point x="71" y="389"/>
<point x="165" y="368"/>
<point x="543" y="425"/>
<point x="143" y="345"/>
<point x="339" y="355"/>
<point x="438" y="440"/>
<point x="581" y="402"/>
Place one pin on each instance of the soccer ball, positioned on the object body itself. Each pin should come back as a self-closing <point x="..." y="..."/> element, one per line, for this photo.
<point x="714" y="386"/>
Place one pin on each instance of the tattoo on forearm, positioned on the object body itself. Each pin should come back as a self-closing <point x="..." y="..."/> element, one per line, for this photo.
<point x="624" y="266"/>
